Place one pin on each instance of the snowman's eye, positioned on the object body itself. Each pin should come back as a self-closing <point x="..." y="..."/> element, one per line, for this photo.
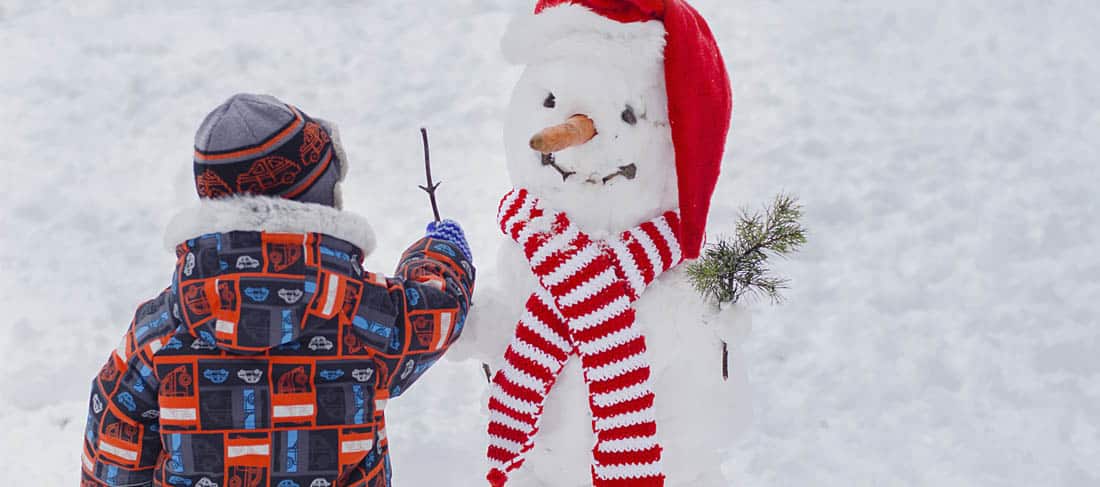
<point x="550" y="101"/>
<point x="628" y="115"/>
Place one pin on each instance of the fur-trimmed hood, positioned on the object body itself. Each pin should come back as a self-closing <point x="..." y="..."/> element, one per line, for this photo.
<point x="268" y="214"/>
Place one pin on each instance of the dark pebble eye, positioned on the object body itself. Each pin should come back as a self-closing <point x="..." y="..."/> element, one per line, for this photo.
<point x="550" y="101"/>
<point x="628" y="115"/>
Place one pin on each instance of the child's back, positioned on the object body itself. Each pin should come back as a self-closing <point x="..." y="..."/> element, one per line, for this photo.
<point x="270" y="358"/>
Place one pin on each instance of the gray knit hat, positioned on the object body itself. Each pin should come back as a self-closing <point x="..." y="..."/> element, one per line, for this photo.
<point x="256" y="144"/>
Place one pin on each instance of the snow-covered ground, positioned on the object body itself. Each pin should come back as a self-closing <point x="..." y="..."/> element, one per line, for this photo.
<point x="944" y="324"/>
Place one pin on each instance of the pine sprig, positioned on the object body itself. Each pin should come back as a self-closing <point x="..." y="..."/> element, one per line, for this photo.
<point x="731" y="269"/>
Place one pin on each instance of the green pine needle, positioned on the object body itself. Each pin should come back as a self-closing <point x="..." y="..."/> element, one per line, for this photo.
<point x="731" y="269"/>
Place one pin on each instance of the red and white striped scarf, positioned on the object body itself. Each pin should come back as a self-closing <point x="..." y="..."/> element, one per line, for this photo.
<point x="583" y="307"/>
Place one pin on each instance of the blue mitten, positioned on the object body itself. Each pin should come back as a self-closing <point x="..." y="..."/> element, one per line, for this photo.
<point x="450" y="231"/>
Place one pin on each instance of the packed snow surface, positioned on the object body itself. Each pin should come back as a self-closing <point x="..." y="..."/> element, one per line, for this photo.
<point x="944" y="320"/>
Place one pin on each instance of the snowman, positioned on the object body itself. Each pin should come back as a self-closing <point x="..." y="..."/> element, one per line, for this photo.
<point x="617" y="372"/>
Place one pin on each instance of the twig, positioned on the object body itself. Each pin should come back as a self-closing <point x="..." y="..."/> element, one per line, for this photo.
<point x="431" y="187"/>
<point x="725" y="361"/>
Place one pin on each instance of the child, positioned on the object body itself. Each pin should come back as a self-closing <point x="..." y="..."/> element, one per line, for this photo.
<point x="270" y="358"/>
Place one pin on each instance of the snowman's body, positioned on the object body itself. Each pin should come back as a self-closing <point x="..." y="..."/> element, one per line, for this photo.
<point x="699" y="413"/>
<point x="618" y="82"/>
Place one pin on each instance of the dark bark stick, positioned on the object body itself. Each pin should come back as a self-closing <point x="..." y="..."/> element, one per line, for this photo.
<point x="725" y="361"/>
<point x="431" y="187"/>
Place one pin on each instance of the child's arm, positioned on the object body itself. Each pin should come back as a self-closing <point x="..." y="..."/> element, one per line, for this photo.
<point x="437" y="276"/>
<point x="121" y="438"/>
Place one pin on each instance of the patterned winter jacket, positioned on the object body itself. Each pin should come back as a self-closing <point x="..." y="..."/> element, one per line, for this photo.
<point x="269" y="361"/>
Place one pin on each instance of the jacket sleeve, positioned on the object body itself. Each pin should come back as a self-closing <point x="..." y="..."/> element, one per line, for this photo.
<point x="435" y="282"/>
<point x="121" y="437"/>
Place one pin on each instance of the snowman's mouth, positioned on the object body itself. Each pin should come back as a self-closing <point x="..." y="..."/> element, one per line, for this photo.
<point x="548" y="160"/>
<point x="629" y="171"/>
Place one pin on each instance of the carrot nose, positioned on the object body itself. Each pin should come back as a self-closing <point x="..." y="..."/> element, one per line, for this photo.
<point x="575" y="131"/>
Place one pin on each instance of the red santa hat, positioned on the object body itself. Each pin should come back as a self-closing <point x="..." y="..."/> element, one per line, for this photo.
<point x="635" y="34"/>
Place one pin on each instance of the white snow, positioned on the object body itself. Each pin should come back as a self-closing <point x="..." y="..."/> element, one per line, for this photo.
<point x="942" y="328"/>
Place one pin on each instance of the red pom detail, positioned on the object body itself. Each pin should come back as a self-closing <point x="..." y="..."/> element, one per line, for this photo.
<point x="497" y="478"/>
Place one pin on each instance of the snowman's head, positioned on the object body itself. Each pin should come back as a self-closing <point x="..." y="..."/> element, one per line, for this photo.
<point x="644" y="92"/>
<point x="587" y="127"/>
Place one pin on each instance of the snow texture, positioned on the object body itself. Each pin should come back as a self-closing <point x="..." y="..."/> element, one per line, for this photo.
<point x="943" y="325"/>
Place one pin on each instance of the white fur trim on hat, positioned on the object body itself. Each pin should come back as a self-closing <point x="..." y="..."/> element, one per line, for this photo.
<point x="268" y="214"/>
<point x="573" y="31"/>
